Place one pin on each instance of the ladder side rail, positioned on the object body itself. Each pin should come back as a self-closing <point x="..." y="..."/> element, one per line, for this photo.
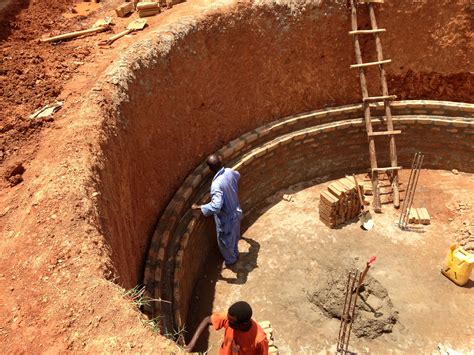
<point x="388" y="112"/>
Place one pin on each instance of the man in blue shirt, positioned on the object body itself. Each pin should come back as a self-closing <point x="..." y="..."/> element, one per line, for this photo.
<point x="225" y="207"/>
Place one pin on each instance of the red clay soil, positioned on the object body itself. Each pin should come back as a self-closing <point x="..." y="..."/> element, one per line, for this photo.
<point x="56" y="277"/>
<point x="32" y="74"/>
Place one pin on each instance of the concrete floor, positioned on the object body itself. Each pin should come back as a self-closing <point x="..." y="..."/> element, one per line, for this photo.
<point x="286" y="249"/>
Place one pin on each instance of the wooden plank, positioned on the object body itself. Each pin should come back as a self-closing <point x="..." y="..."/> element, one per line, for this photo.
<point x="413" y="216"/>
<point x="328" y="198"/>
<point x="350" y="180"/>
<point x="379" y="98"/>
<point x="327" y="210"/>
<point x="336" y="191"/>
<point x="387" y="169"/>
<point x="342" y="187"/>
<point x="366" y="32"/>
<point x="369" y="64"/>
<point x="383" y="133"/>
<point x="350" y="186"/>
<point x="424" y="216"/>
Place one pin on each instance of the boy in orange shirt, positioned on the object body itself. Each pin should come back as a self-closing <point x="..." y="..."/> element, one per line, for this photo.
<point x="242" y="335"/>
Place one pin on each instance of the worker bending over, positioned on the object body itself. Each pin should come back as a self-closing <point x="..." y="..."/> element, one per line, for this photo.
<point x="242" y="335"/>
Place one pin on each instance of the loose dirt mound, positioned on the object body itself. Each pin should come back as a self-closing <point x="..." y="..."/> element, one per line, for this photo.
<point x="32" y="73"/>
<point x="375" y="313"/>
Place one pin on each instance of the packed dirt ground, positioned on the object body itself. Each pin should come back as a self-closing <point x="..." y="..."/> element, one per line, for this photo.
<point x="57" y="292"/>
<point x="288" y="255"/>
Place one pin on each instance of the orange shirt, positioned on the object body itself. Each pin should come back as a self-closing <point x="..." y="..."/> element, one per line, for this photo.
<point x="252" y="342"/>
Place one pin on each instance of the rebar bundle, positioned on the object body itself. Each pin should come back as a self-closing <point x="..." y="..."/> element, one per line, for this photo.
<point x="411" y="188"/>
<point x="348" y="311"/>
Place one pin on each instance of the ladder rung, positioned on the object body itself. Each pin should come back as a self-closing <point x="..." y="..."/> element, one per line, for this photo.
<point x="379" y="98"/>
<point x="387" y="169"/>
<point x="366" y="32"/>
<point x="384" y="133"/>
<point x="370" y="63"/>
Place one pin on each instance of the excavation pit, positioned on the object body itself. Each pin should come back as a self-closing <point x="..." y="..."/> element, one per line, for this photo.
<point x="289" y="258"/>
<point x="105" y="205"/>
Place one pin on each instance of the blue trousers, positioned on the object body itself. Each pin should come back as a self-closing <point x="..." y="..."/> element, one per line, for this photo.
<point x="228" y="240"/>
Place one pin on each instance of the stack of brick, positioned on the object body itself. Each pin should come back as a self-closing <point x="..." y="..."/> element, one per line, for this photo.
<point x="267" y="328"/>
<point x="340" y="203"/>
<point x="419" y="216"/>
<point x="148" y="9"/>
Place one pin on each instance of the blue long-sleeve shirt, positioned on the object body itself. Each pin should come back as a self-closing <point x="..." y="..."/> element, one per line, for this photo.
<point x="224" y="205"/>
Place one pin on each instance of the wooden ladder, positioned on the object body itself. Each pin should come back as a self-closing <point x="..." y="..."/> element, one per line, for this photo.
<point x="391" y="171"/>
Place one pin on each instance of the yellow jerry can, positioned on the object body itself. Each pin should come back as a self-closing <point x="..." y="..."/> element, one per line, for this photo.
<point x="458" y="265"/>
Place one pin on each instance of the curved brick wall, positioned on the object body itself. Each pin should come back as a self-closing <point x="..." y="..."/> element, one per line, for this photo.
<point x="326" y="143"/>
<point x="192" y="85"/>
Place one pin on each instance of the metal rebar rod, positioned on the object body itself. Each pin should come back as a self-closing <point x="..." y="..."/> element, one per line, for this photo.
<point x="346" y="347"/>
<point x="417" y="175"/>
<point x="404" y="210"/>
<point x="410" y="192"/>
<point x="344" y="310"/>
<point x="346" y="318"/>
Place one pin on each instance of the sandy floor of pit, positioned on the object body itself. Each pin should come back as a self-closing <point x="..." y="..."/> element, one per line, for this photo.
<point x="286" y="249"/>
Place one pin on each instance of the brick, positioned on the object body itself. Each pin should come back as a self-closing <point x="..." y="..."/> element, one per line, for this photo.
<point x="124" y="9"/>
<point x="329" y="128"/>
<point x="186" y="193"/>
<point x="452" y="130"/>
<point x="149" y="5"/>
<point x="438" y="112"/>
<point x="250" y="137"/>
<point x="460" y="124"/>
<point x="343" y="125"/>
<point x="226" y="152"/>
<point x="237" y="144"/>
<point x="442" y="122"/>
<point x="420" y="112"/>
<point x="151" y="12"/>
<point x="262" y="131"/>
<point x="424" y="121"/>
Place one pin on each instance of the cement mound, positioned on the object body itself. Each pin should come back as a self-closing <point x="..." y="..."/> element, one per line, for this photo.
<point x="375" y="313"/>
